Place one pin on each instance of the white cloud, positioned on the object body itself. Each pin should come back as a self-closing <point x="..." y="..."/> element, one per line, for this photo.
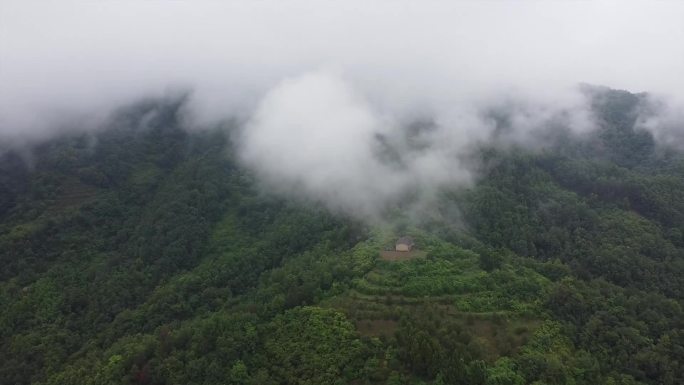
<point x="330" y="133"/>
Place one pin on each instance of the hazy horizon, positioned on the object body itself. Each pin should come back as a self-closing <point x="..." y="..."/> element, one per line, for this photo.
<point x="79" y="57"/>
<point x="317" y="84"/>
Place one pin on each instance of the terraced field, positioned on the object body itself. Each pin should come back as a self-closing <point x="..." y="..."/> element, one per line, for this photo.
<point x="497" y="308"/>
<point x="392" y="255"/>
<point x="72" y="193"/>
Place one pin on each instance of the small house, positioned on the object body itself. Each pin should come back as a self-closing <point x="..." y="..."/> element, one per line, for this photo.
<point x="404" y="244"/>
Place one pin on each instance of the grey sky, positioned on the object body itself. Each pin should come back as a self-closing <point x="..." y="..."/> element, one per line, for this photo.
<point x="318" y="83"/>
<point x="77" y="56"/>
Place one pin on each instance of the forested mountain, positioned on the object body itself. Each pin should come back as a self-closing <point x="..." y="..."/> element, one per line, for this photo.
<point x="144" y="253"/>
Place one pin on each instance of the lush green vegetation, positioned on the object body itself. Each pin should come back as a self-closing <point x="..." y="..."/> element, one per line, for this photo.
<point x="144" y="254"/>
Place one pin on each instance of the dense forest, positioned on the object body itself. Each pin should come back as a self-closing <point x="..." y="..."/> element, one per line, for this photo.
<point x="144" y="253"/>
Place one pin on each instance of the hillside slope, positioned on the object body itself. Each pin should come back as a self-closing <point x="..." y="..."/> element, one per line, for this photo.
<point x="145" y="254"/>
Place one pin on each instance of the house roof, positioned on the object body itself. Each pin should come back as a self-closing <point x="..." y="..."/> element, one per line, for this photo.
<point x="405" y="241"/>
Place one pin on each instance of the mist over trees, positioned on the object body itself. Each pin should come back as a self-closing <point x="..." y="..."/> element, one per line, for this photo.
<point x="148" y="253"/>
<point x="207" y="192"/>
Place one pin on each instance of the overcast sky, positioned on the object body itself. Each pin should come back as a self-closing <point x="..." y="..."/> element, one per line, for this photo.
<point x="79" y="56"/>
<point x="326" y="88"/>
